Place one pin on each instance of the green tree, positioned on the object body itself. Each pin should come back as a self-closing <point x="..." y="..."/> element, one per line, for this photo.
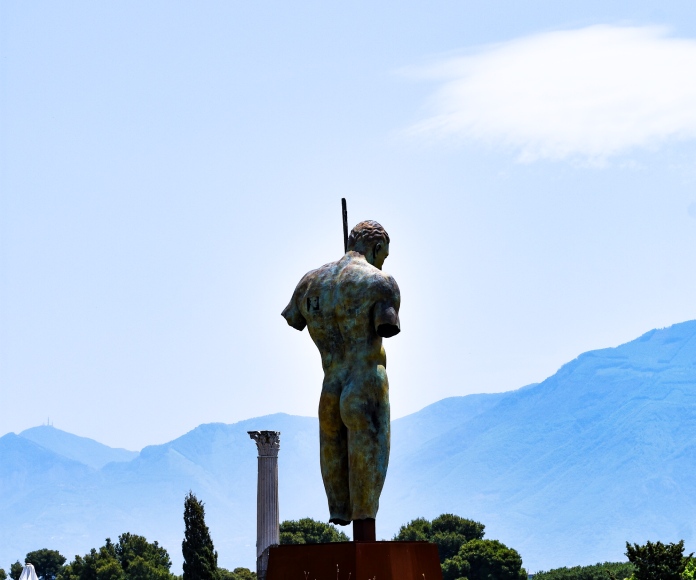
<point x="200" y="557"/>
<point x="483" y="560"/>
<point x="109" y="569"/>
<point x="309" y="531"/>
<point x="599" y="571"/>
<point x="3" y="574"/>
<point x="142" y="560"/>
<point x="658" y="561"/>
<point x="141" y="569"/>
<point x="236" y="574"/>
<point x="99" y="564"/>
<point x="16" y="570"/>
<point x="131" y="558"/>
<point x="448" y="531"/>
<point x="47" y="563"/>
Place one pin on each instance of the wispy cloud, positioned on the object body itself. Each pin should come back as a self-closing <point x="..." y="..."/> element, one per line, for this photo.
<point x="591" y="93"/>
<point x="692" y="210"/>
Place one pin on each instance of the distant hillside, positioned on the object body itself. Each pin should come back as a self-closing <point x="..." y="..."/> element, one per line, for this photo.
<point x="26" y="467"/>
<point x="602" y="452"/>
<point x="80" y="449"/>
<point x="77" y="507"/>
<point x="565" y="471"/>
<point x="41" y="497"/>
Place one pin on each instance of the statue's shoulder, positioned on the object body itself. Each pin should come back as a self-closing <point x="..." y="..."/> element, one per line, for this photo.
<point x="307" y="295"/>
<point x="385" y="277"/>
<point x="387" y="283"/>
<point x="317" y="276"/>
<point x="378" y="276"/>
<point x="363" y="273"/>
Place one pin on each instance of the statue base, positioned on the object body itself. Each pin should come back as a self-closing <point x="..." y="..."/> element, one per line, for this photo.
<point x="355" y="561"/>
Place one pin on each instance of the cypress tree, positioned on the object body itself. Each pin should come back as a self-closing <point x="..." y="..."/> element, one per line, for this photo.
<point x="200" y="557"/>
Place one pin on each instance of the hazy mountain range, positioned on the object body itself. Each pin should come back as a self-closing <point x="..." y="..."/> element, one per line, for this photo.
<point x="565" y="471"/>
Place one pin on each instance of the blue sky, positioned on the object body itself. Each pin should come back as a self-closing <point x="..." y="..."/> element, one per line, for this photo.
<point x="170" y="170"/>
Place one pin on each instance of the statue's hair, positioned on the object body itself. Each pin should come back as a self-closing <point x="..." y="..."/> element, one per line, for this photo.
<point x="365" y="234"/>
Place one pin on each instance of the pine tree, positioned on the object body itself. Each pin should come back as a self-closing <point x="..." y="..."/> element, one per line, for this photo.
<point x="658" y="561"/>
<point x="200" y="557"/>
<point x="47" y="563"/>
<point x="16" y="570"/>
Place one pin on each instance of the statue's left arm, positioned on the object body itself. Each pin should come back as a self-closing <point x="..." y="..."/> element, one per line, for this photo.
<point x="386" y="316"/>
<point x="292" y="312"/>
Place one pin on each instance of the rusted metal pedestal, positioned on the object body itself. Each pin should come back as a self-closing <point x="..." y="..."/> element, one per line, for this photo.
<point x="355" y="561"/>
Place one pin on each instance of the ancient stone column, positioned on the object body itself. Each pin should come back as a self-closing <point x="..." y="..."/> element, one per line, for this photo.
<point x="267" y="515"/>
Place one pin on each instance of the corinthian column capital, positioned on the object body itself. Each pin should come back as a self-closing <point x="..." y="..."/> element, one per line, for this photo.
<point x="267" y="442"/>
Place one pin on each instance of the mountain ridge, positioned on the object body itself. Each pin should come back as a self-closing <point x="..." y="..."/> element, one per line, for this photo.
<point x="82" y="449"/>
<point x="599" y="423"/>
<point x="565" y="471"/>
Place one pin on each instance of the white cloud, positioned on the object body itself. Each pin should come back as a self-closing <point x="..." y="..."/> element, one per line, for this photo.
<point x="591" y="93"/>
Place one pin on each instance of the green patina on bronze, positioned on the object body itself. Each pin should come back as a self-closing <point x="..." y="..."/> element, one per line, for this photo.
<point x="348" y="306"/>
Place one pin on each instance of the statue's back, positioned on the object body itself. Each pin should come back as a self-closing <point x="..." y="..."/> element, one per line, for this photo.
<point x="338" y="303"/>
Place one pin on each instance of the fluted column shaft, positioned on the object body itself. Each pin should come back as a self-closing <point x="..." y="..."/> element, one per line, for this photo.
<point x="267" y="512"/>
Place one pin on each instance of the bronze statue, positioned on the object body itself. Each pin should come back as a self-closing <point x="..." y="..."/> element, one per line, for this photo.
<point x="348" y="306"/>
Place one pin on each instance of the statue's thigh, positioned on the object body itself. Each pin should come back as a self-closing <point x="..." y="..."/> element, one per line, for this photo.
<point x="330" y="406"/>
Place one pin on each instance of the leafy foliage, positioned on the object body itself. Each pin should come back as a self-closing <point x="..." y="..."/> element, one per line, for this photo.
<point x="200" y="557"/>
<point x="131" y="558"/>
<point x="658" y="561"/>
<point x="448" y="531"/>
<point x="99" y="564"/>
<point x="236" y="574"/>
<point x="690" y="570"/>
<point x="16" y="570"/>
<point x="483" y="560"/>
<point x="141" y="560"/>
<point x="47" y="563"/>
<point x="605" y="571"/>
<point x="3" y="574"/>
<point x="309" y="531"/>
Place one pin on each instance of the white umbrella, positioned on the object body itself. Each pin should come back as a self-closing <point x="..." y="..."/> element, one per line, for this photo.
<point x="28" y="573"/>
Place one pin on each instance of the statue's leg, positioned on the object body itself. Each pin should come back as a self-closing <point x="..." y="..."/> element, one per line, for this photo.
<point x="333" y="449"/>
<point x="365" y="411"/>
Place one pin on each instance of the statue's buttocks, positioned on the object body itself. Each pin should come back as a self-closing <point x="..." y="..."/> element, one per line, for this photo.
<point x="348" y="306"/>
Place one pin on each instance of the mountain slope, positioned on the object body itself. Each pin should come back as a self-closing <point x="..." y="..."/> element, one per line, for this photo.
<point x="565" y="471"/>
<point x="602" y="452"/>
<point x="80" y="449"/>
<point x="414" y="431"/>
<point x="41" y="494"/>
<point x="26" y="466"/>
<point x="75" y="508"/>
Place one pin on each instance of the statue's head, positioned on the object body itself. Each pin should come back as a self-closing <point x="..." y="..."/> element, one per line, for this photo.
<point x="371" y="240"/>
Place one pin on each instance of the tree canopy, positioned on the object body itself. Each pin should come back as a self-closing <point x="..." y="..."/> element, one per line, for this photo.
<point x="599" y="571"/>
<point x="16" y="570"/>
<point x="3" y="574"/>
<point x="309" y="531"/>
<point x="483" y="560"/>
<point x="236" y="574"/>
<point x="131" y="558"/>
<point x="141" y="559"/>
<point x="200" y="557"/>
<point x="448" y="531"/>
<point x="655" y="561"/>
<point x="47" y="563"/>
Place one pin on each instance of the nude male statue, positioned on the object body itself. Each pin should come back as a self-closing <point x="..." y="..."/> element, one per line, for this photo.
<point x="348" y="307"/>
